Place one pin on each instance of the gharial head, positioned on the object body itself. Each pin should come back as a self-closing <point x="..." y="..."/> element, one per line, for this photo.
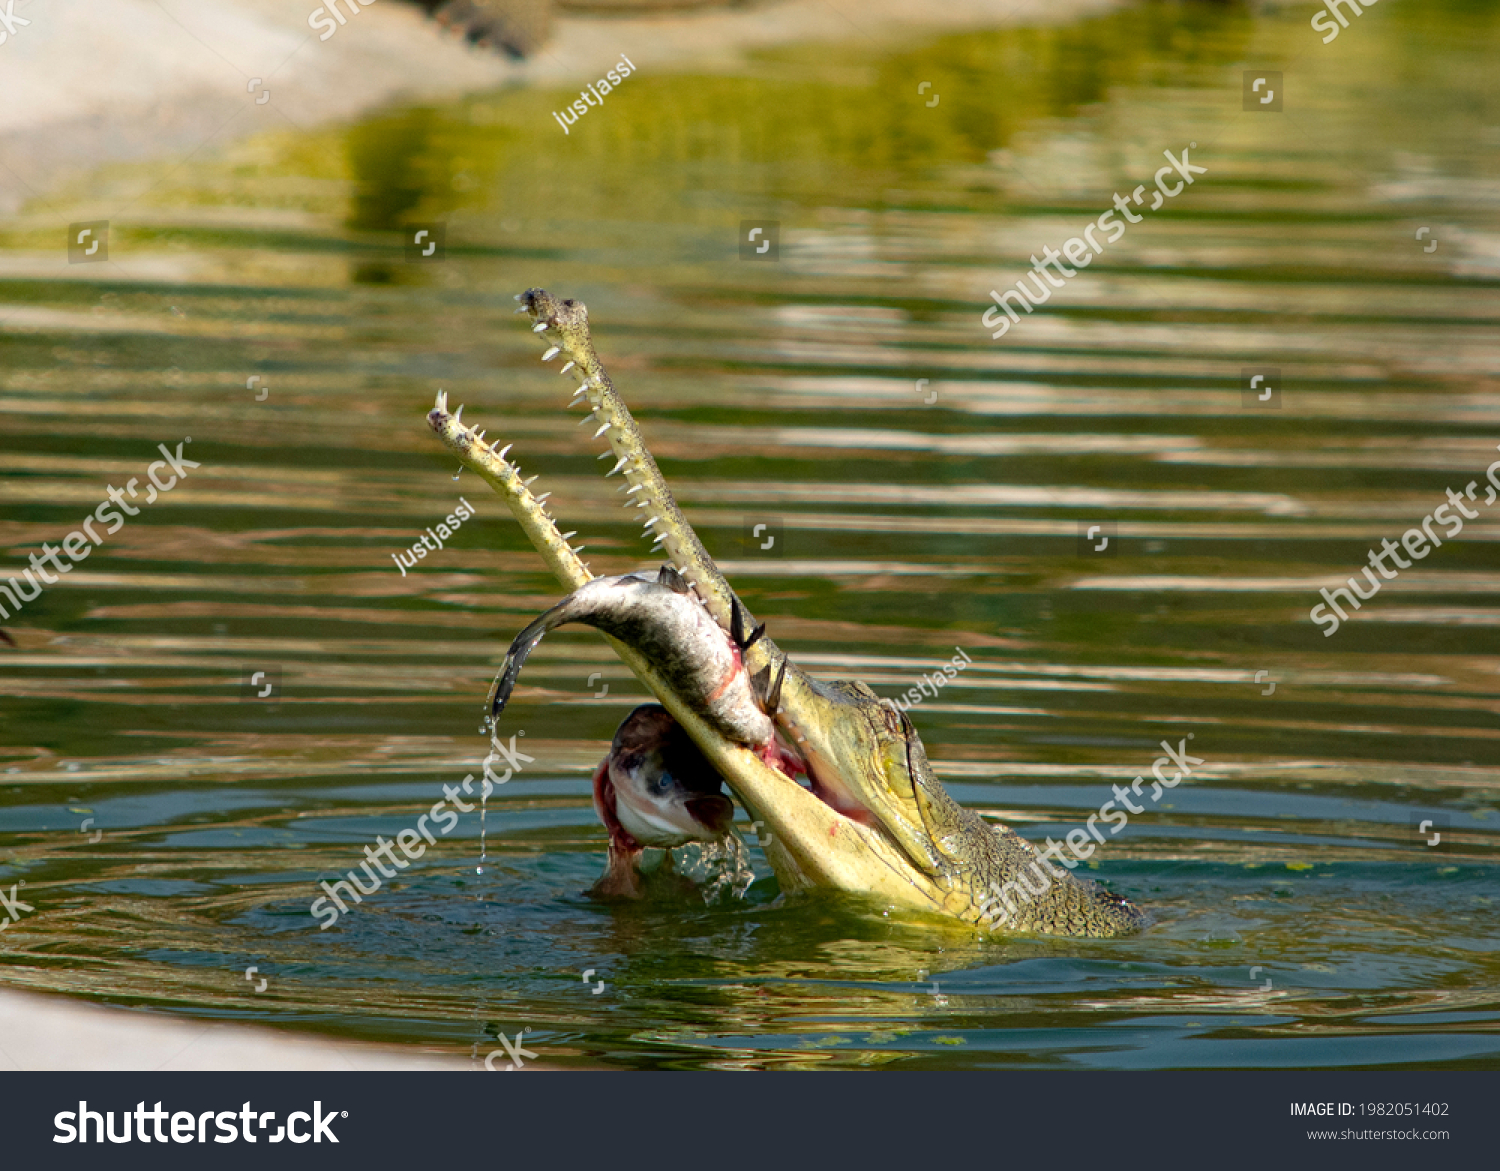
<point x="865" y="760"/>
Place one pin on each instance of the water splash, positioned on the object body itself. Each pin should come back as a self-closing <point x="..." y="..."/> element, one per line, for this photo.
<point x="491" y="726"/>
<point x="483" y="810"/>
<point x="720" y="867"/>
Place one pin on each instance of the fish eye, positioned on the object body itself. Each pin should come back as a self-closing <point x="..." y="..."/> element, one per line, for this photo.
<point x="661" y="784"/>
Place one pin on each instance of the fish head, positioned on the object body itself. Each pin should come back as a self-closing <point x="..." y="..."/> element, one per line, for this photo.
<point x="665" y="791"/>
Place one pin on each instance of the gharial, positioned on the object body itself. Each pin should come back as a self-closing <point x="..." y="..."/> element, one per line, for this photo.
<point x="874" y="820"/>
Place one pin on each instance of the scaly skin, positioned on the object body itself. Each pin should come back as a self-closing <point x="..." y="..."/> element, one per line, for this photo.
<point x="877" y="821"/>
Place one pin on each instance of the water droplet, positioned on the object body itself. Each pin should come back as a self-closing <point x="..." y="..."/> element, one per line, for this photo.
<point x="458" y="473"/>
<point x="719" y="867"/>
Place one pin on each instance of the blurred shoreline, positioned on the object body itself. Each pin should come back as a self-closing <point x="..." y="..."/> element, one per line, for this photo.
<point x="116" y="80"/>
<point x="52" y="1032"/>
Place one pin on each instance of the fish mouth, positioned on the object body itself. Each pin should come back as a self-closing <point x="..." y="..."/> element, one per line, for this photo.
<point x="715" y="813"/>
<point x="665" y="827"/>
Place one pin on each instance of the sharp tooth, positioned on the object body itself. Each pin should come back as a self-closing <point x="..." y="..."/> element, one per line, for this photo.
<point x="442" y="400"/>
<point x="539" y="327"/>
<point x="634" y="488"/>
<point x="518" y="296"/>
<point x="479" y="436"/>
<point x="650" y="521"/>
<point x="530" y="482"/>
<point x="458" y="415"/>
<point x="543" y="497"/>
<point x="606" y="455"/>
<point x="624" y="459"/>
<point x="602" y="429"/>
<point x="552" y="353"/>
<point x="506" y="448"/>
<point x="566" y="368"/>
<point x="574" y="533"/>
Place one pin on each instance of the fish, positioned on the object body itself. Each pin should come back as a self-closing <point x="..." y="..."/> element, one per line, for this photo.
<point x="662" y="618"/>
<point x="655" y="789"/>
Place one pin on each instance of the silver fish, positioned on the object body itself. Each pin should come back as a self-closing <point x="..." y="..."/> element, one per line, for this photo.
<point x="662" y="619"/>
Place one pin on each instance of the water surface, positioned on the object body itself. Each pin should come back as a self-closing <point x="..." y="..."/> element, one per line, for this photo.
<point x="926" y="487"/>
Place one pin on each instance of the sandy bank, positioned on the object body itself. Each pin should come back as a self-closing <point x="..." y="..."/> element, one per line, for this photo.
<point x="92" y="81"/>
<point x="55" y="1033"/>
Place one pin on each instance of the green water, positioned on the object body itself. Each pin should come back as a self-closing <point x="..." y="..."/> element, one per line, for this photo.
<point x="788" y="393"/>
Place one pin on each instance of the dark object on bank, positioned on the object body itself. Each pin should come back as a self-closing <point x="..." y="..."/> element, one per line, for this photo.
<point x="521" y="27"/>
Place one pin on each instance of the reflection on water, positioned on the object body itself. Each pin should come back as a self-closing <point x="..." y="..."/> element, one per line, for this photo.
<point x="929" y="488"/>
